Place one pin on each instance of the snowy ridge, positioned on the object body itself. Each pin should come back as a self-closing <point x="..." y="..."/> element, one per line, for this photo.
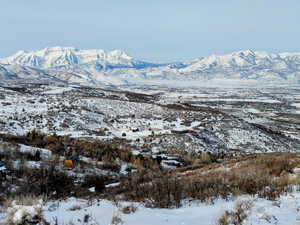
<point x="248" y="58"/>
<point x="98" y="67"/>
<point x="69" y="56"/>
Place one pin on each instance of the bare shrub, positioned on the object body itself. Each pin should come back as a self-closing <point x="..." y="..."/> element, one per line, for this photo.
<point x="112" y="166"/>
<point x="75" y="207"/>
<point x="25" y="210"/>
<point x="116" y="219"/>
<point x="128" y="209"/>
<point x="46" y="181"/>
<point x="96" y="181"/>
<point x="22" y="200"/>
<point x="158" y="190"/>
<point x="238" y="215"/>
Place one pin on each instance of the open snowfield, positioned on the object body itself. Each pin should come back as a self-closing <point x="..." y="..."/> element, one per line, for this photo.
<point x="284" y="211"/>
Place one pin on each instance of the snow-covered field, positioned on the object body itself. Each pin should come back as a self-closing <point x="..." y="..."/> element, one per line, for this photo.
<point x="103" y="211"/>
<point x="297" y="105"/>
<point x="284" y="211"/>
<point x="115" y="114"/>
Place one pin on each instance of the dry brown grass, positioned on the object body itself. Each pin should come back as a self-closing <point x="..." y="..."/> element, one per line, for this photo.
<point x="265" y="175"/>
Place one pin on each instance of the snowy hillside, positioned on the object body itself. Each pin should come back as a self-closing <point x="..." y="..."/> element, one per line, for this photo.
<point x="98" y="67"/>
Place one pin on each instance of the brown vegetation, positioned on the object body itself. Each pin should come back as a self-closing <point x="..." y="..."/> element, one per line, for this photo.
<point x="264" y="175"/>
<point x="206" y="179"/>
<point x="106" y="151"/>
<point x="238" y="215"/>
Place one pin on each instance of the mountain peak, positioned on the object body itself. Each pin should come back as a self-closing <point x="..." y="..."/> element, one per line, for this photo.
<point x="247" y="52"/>
<point x="58" y="49"/>
<point x="53" y="57"/>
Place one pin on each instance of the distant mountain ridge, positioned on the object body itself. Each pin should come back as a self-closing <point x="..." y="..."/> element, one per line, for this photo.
<point x="99" y="67"/>
<point x="61" y="57"/>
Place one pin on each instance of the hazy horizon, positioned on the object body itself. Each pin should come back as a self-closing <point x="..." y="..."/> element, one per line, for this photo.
<point x="158" y="31"/>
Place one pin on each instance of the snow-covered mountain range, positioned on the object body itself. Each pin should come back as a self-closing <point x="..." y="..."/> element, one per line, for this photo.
<point x="99" y="67"/>
<point x="66" y="57"/>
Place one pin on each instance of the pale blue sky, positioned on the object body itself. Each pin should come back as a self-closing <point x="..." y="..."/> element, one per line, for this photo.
<point x="155" y="30"/>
